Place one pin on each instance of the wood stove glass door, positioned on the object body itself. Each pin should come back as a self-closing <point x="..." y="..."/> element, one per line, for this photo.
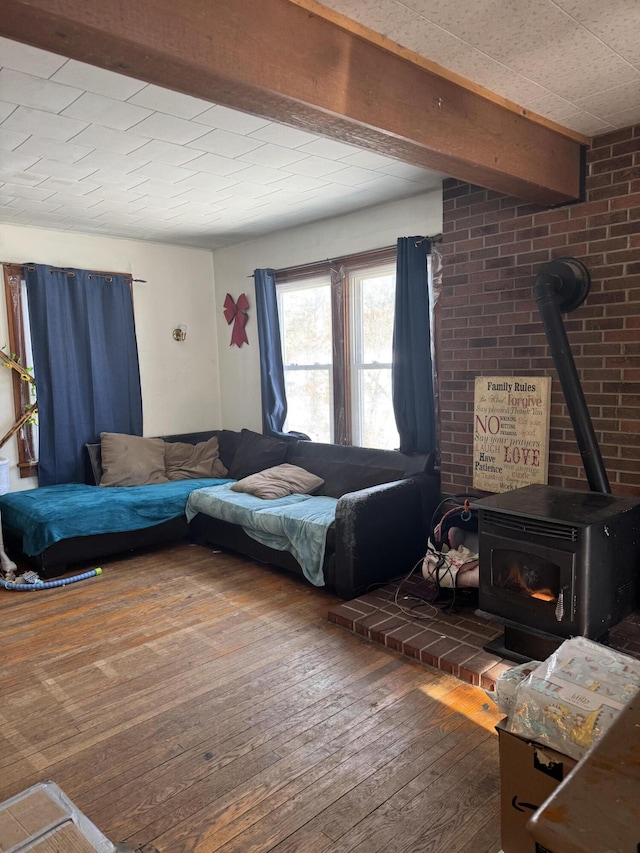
<point x="527" y="583"/>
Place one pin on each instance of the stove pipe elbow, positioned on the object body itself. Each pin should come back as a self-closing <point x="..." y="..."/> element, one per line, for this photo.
<point x="560" y="287"/>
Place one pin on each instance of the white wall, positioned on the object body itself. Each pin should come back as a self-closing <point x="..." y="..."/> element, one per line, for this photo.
<point x="180" y="387"/>
<point x="358" y="232"/>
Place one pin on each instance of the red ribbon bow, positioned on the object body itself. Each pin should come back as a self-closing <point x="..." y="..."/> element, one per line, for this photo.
<point x="236" y="313"/>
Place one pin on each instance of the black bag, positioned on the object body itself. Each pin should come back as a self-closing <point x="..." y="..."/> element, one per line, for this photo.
<point x="450" y="565"/>
<point x="455" y="523"/>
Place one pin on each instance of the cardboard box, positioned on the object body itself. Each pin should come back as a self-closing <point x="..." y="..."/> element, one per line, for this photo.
<point x="529" y="773"/>
<point x="43" y="819"/>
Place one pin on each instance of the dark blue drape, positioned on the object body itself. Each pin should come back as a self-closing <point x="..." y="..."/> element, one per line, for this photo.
<point x="412" y="371"/>
<point x="274" y="399"/>
<point x="274" y="395"/>
<point x="85" y="363"/>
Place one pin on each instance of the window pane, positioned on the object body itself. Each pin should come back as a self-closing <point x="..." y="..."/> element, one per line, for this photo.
<point x="305" y="323"/>
<point x="372" y="312"/>
<point x="377" y="426"/>
<point x="377" y="294"/>
<point x="310" y="403"/>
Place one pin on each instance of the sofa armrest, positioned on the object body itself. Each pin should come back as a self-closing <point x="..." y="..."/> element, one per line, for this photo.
<point x="381" y="532"/>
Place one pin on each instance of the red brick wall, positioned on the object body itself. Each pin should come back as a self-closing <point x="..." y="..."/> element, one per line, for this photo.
<point x="488" y="321"/>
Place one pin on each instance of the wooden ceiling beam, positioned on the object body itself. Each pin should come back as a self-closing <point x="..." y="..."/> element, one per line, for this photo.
<point x="280" y="61"/>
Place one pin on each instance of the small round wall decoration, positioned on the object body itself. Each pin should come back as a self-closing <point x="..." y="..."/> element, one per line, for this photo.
<point x="236" y="312"/>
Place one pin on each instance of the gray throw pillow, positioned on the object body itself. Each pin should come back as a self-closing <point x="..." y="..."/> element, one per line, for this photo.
<point x="130" y="460"/>
<point x="279" y="481"/>
<point x="184" y="461"/>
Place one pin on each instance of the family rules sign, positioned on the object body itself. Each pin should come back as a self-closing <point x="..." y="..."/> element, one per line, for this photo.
<point x="510" y="431"/>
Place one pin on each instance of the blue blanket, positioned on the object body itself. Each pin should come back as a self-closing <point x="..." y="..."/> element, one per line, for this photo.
<point x="296" y="523"/>
<point x="46" y="515"/>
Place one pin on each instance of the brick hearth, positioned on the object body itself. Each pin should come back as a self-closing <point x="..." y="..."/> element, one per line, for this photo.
<point x="395" y="617"/>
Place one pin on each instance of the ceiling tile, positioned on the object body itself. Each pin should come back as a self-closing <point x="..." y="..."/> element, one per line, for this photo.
<point x="36" y="205"/>
<point x="611" y="101"/>
<point x="163" y="172"/>
<point x="19" y="88"/>
<point x="624" y="118"/>
<point x="328" y="148"/>
<point x="34" y="193"/>
<point x="212" y="183"/>
<point x="166" y="152"/>
<point x="587" y="124"/>
<point x="18" y="161"/>
<point x="59" y="128"/>
<point x="6" y="109"/>
<point x="161" y="189"/>
<point x="32" y="60"/>
<point x="113" y="162"/>
<point x="10" y="139"/>
<point x="314" y="167"/>
<point x="68" y="171"/>
<point x="274" y="156"/>
<point x="205" y="195"/>
<point x="280" y="134"/>
<point x="19" y="177"/>
<point x="157" y="203"/>
<point x="231" y="120"/>
<point x="351" y="176"/>
<point x="226" y="144"/>
<point x="97" y="80"/>
<point x="217" y="165"/>
<point x="76" y="202"/>
<point x="258" y="175"/>
<point x="301" y="183"/>
<point x="171" y="103"/>
<point x="106" y="139"/>
<point x="170" y="129"/>
<point x="70" y="187"/>
<point x="367" y="160"/>
<point x="616" y="23"/>
<point x="121" y="180"/>
<point x="114" y="194"/>
<point x="106" y="112"/>
<point x="67" y="152"/>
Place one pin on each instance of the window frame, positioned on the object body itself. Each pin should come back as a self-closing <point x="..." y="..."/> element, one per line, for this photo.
<point x="337" y="272"/>
<point x="17" y="345"/>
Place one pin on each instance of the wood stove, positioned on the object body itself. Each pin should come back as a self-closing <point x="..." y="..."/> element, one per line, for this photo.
<point x="554" y="564"/>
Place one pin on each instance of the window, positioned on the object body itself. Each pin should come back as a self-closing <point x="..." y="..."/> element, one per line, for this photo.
<point x="336" y="322"/>
<point x="19" y="347"/>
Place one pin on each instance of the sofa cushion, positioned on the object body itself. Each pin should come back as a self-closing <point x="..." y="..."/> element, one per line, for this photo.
<point x="254" y="453"/>
<point x="185" y="461"/>
<point x="130" y="460"/>
<point x="279" y="481"/>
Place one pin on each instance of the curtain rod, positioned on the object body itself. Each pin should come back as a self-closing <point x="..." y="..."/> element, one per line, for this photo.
<point x="70" y="271"/>
<point x="436" y="238"/>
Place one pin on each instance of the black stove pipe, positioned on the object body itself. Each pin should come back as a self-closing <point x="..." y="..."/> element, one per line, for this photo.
<point x="561" y="286"/>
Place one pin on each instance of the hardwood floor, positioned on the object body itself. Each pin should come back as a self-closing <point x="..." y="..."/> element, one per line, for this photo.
<point x="193" y="701"/>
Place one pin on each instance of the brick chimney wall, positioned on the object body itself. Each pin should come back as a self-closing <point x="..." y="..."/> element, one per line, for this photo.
<point x="488" y="324"/>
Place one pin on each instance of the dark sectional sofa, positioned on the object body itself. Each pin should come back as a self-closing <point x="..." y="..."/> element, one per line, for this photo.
<point x="384" y="508"/>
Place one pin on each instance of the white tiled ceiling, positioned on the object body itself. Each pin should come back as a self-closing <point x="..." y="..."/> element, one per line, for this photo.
<point x="576" y="62"/>
<point x="86" y="149"/>
<point x="83" y="149"/>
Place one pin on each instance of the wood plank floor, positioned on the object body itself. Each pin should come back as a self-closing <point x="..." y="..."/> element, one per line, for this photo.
<point x="193" y="701"/>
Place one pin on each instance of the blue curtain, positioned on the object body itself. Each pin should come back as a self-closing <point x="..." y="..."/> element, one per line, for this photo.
<point x="274" y="395"/>
<point x="85" y="363"/>
<point x="412" y="371"/>
<point x="274" y="398"/>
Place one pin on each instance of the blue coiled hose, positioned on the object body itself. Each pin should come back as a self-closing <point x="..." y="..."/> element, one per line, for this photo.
<point x="50" y="584"/>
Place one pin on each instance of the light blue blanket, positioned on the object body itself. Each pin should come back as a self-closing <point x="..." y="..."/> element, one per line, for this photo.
<point x="296" y="523"/>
